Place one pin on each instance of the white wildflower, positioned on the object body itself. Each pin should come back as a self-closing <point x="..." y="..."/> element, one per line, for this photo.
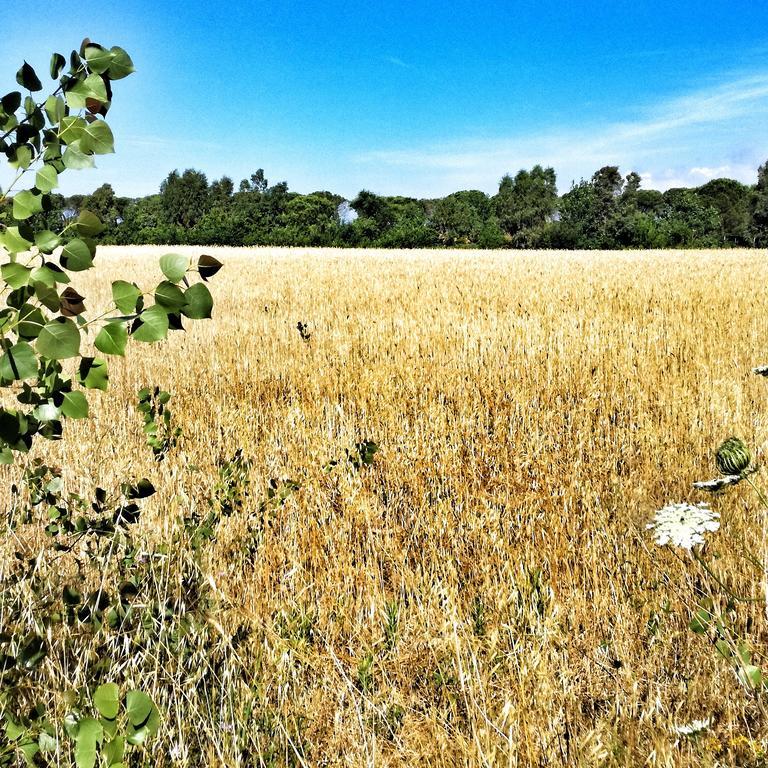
<point x="176" y="752"/>
<point x="683" y="525"/>
<point x="693" y="728"/>
<point x="713" y="486"/>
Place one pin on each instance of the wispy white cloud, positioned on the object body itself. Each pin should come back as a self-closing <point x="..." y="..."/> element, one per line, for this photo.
<point x="397" y="62"/>
<point x="711" y="173"/>
<point x="666" y="178"/>
<point x="681" y="141"/>
<point x="684" y="140"/>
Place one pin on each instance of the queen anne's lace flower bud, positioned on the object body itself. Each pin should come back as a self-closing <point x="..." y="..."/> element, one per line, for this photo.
<point x="733" y="457"/>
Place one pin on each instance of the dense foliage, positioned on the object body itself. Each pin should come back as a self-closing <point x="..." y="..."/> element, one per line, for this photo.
<point x="607" y="211"/>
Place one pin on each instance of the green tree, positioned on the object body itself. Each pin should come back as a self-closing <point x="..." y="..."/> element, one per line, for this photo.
<point x="109" y="208"/>
<point x="310" y="220"/>
<point x="185" y="197"/>
<point x="604" y="212"/>
<point x="144" y="221"/>
<point x="759" y="223"/>
<point x="375" y="209"/>
<point x="734" y="202"/>
<point x="649" y="201"/>
<point x="491" y="234"/>
<point x="256" y="183"/>
<point x="456" y="221"/>
<point x="631" y="223"/>
<point x="685" y="221"/>
<point x="221" y="191"/>
<point x="409" y="225"/>
<point x="578" y="224"/>
<point x="525" y="203"/>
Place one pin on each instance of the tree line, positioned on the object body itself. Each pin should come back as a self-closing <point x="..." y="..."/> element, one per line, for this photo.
<point x="608" y="211"/>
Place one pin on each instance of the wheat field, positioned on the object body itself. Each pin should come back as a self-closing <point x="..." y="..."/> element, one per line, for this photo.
<point x="485" y="593"/>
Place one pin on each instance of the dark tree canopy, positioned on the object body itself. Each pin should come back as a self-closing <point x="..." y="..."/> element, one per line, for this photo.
<point x="606" y="211"/>
<point x="526" y="203"/>
<point x="185" y="198"/>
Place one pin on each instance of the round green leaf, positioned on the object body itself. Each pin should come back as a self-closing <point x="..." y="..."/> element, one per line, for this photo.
<point x="93" y="373"/>
<point x="57" y="64"/>
<point x="174" y="266"/>
<point x="91" y="88"/>
<point x="170" y="296"/>
<point x="27" y="78"/>
<point x="15" y="275"/>
<point x="47" y="295"/>
<point x="50" y="274"/>
<point x="13" y="241"/>
<point x="46" y="240"/>
<point x="112" y="338"/>
<point x="59" y="339"/>
<point x="97" y="138"/>
<point x="88" y="224"/>
<point x="18" y="363"/>
<point x="98" y="58"/>
<point x="74" y="405"/>
<point x="107" y="700"/>
<point x="31" y="321"/>
<point x="121" y="65"/>
<point x="21" y="157"/>
<point x="26" y="204"/>
<point x="76" y="160"/>
<point x="46" y="412"/>
<point x="76" y="256"/>
<point x="46" y="179"/>
<point x="199" y="302"/>
<point x="71" y="724"/>
<point x="71" y="128"/>
<point x="125" y="295"/>
<point x="55" y="109"/>
<point x="138" y="734"/>
<point x="29" y="749"/>
<point x="114" y="751"/>
<point x="46" y="742"/>
<point x="11" y="102"/>
<point x="13" y="730"/>
<point x="151" y="325"/>
<point x="139" y="708"/>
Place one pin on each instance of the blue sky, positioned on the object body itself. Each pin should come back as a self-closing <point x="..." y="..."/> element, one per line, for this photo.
<point x="419" y="98"/>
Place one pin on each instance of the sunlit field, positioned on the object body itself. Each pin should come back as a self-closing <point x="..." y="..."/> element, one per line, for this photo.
<point x="485" y="593"/>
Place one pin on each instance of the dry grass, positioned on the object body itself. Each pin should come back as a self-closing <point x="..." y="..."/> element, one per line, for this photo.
<point x="485" y="595"/>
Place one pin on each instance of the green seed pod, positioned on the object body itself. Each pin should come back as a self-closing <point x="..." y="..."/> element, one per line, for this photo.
<point x="733" y="457"/>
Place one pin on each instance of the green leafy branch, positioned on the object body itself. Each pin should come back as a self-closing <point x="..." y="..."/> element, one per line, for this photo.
<point x="43" y="322"/>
